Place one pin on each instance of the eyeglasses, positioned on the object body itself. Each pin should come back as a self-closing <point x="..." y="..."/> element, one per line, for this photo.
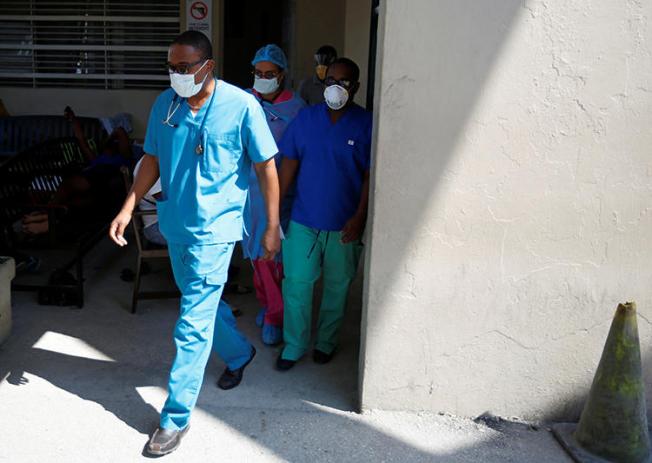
<point x="182" y="68"/>
<point x="265" y="75"/>
<point x="342" y="83"/>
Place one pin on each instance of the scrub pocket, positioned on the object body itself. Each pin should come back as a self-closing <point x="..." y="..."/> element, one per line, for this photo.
<point x="357" y="150"/>
<point x="222" y="152"/>
<point x="210" y="261"/>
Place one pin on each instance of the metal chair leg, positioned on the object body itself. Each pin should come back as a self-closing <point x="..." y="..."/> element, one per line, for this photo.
<point x="134" y="300"/>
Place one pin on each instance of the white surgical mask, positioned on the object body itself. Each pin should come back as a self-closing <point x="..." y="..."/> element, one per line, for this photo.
<point x="184" y="84"/>
<point x="265" y="86"/>
<point x="336" y="97"/>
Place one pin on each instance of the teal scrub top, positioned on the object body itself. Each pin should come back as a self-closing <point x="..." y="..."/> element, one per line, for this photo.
<point x="203" y="195"/>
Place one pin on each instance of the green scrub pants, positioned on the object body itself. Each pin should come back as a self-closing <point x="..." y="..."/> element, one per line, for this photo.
<point x="306" y="253"/>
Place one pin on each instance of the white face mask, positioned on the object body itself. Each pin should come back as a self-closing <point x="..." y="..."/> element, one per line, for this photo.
<point x="265" y="86"/>
<point x="184" y="84"/>
<point x="336" y="97"/>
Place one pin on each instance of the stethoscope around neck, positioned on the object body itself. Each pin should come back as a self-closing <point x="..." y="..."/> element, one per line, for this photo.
<point x="176" y="99"/>
<point x="171" y="112"/>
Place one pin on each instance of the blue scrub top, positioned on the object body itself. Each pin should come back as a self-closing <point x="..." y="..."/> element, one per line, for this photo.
<point x="278" y="115"/>
<point x="333" y="160"/>
<point x="203" y="195"/>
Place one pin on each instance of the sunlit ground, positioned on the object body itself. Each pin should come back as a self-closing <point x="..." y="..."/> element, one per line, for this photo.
<point x="87" y="385"/>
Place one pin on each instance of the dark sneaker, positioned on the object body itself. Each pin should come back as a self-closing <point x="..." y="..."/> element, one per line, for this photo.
<point x="322" y="357"/>
<point x="231" y="378"/>
<point x="165" y="441"/>
<point x="283" y="364"/>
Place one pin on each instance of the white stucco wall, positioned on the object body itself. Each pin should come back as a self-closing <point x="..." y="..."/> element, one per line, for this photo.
<point x="7" y="273"/>
<point x="511" y="205"/>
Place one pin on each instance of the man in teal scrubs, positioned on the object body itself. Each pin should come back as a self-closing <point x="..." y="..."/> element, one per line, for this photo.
<point x="327" y="149"/>
<point x="202" y="136"/>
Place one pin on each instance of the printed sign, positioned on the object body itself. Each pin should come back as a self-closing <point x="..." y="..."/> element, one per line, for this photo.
<point x="198" y="16"/>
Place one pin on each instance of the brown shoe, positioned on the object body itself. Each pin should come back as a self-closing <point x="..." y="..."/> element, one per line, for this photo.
<point x="165" y="441"/>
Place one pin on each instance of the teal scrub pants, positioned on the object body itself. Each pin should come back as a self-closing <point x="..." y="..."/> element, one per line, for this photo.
<point x="205" y="322"/>
<point x="306" y="253"/>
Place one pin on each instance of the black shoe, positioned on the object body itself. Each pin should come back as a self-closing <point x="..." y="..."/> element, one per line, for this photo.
<point x="322" y="357"/>
<point x="283" y="364"/>
<point x="231" y="378"/>
<point x="165" y="441"/>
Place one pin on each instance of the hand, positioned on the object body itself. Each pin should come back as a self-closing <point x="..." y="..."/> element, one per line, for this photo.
<point x="117" y="229"/>
<point x="271" y="242"/>
<point x="353" y="229"/>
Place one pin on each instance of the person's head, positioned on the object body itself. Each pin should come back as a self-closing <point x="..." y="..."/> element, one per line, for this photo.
<point x="190" y="62"/>
<point x="111" y="146"/>
<point x="118" y="143"/>
<point x="324" y="56"/>
<point x="342" y="83"/>
<point x="270" y="65"/>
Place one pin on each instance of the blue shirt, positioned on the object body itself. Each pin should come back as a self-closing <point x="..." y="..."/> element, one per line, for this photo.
<point x="333" y="159"/>
<point x="279" y="114"/>
<point x="203" y="195"/>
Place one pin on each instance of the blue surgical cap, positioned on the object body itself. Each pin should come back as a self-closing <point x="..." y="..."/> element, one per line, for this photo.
<point x="273" y="54"/>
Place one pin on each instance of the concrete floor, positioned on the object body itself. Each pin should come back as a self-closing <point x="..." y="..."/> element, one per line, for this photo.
<point x="87" y="385"/>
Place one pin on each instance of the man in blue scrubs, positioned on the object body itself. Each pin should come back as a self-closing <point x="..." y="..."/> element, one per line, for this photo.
<point x="202" y="136"/>
<point x="327" y="149"/>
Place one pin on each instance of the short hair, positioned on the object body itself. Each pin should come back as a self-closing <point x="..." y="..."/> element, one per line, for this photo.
<point x="327" y="50"/>
<point x="197" y="40"/>
<point x="355" y="70"/>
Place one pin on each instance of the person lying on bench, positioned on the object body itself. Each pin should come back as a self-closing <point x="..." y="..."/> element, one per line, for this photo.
<point x="97" y="189"/>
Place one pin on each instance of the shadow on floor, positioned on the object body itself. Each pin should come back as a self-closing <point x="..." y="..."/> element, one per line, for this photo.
<point x="104" y="354"/>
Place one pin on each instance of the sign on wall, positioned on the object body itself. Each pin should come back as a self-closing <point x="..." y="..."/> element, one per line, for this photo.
<point x="198" y="16"/>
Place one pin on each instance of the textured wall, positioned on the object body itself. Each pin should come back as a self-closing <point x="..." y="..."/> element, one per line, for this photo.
<point x="512" y="200"/>
<point x="7" y="273"/>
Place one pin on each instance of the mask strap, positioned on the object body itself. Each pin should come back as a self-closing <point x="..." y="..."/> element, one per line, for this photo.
<point x="197" y="71"/>
<point x="201" y="67"/>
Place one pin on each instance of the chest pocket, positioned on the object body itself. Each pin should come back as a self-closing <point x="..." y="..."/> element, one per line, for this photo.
<point x="221" y="152"/>
<point x="352" y="151"/>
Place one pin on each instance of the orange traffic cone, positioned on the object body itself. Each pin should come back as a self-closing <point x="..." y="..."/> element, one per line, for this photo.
<point x="613" y="425"/>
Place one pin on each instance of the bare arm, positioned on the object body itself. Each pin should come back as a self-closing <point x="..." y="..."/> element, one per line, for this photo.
<point x="354" y="228"/>
<point x="287" y="174"/>
<point x="146" y="178"/>
<point x="269" y="186"/>
<point x="363" y="206"/>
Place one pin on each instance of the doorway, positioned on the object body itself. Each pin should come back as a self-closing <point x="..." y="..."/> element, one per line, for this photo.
<point x="300" y="27"/>
<point x="248" y="25"/>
